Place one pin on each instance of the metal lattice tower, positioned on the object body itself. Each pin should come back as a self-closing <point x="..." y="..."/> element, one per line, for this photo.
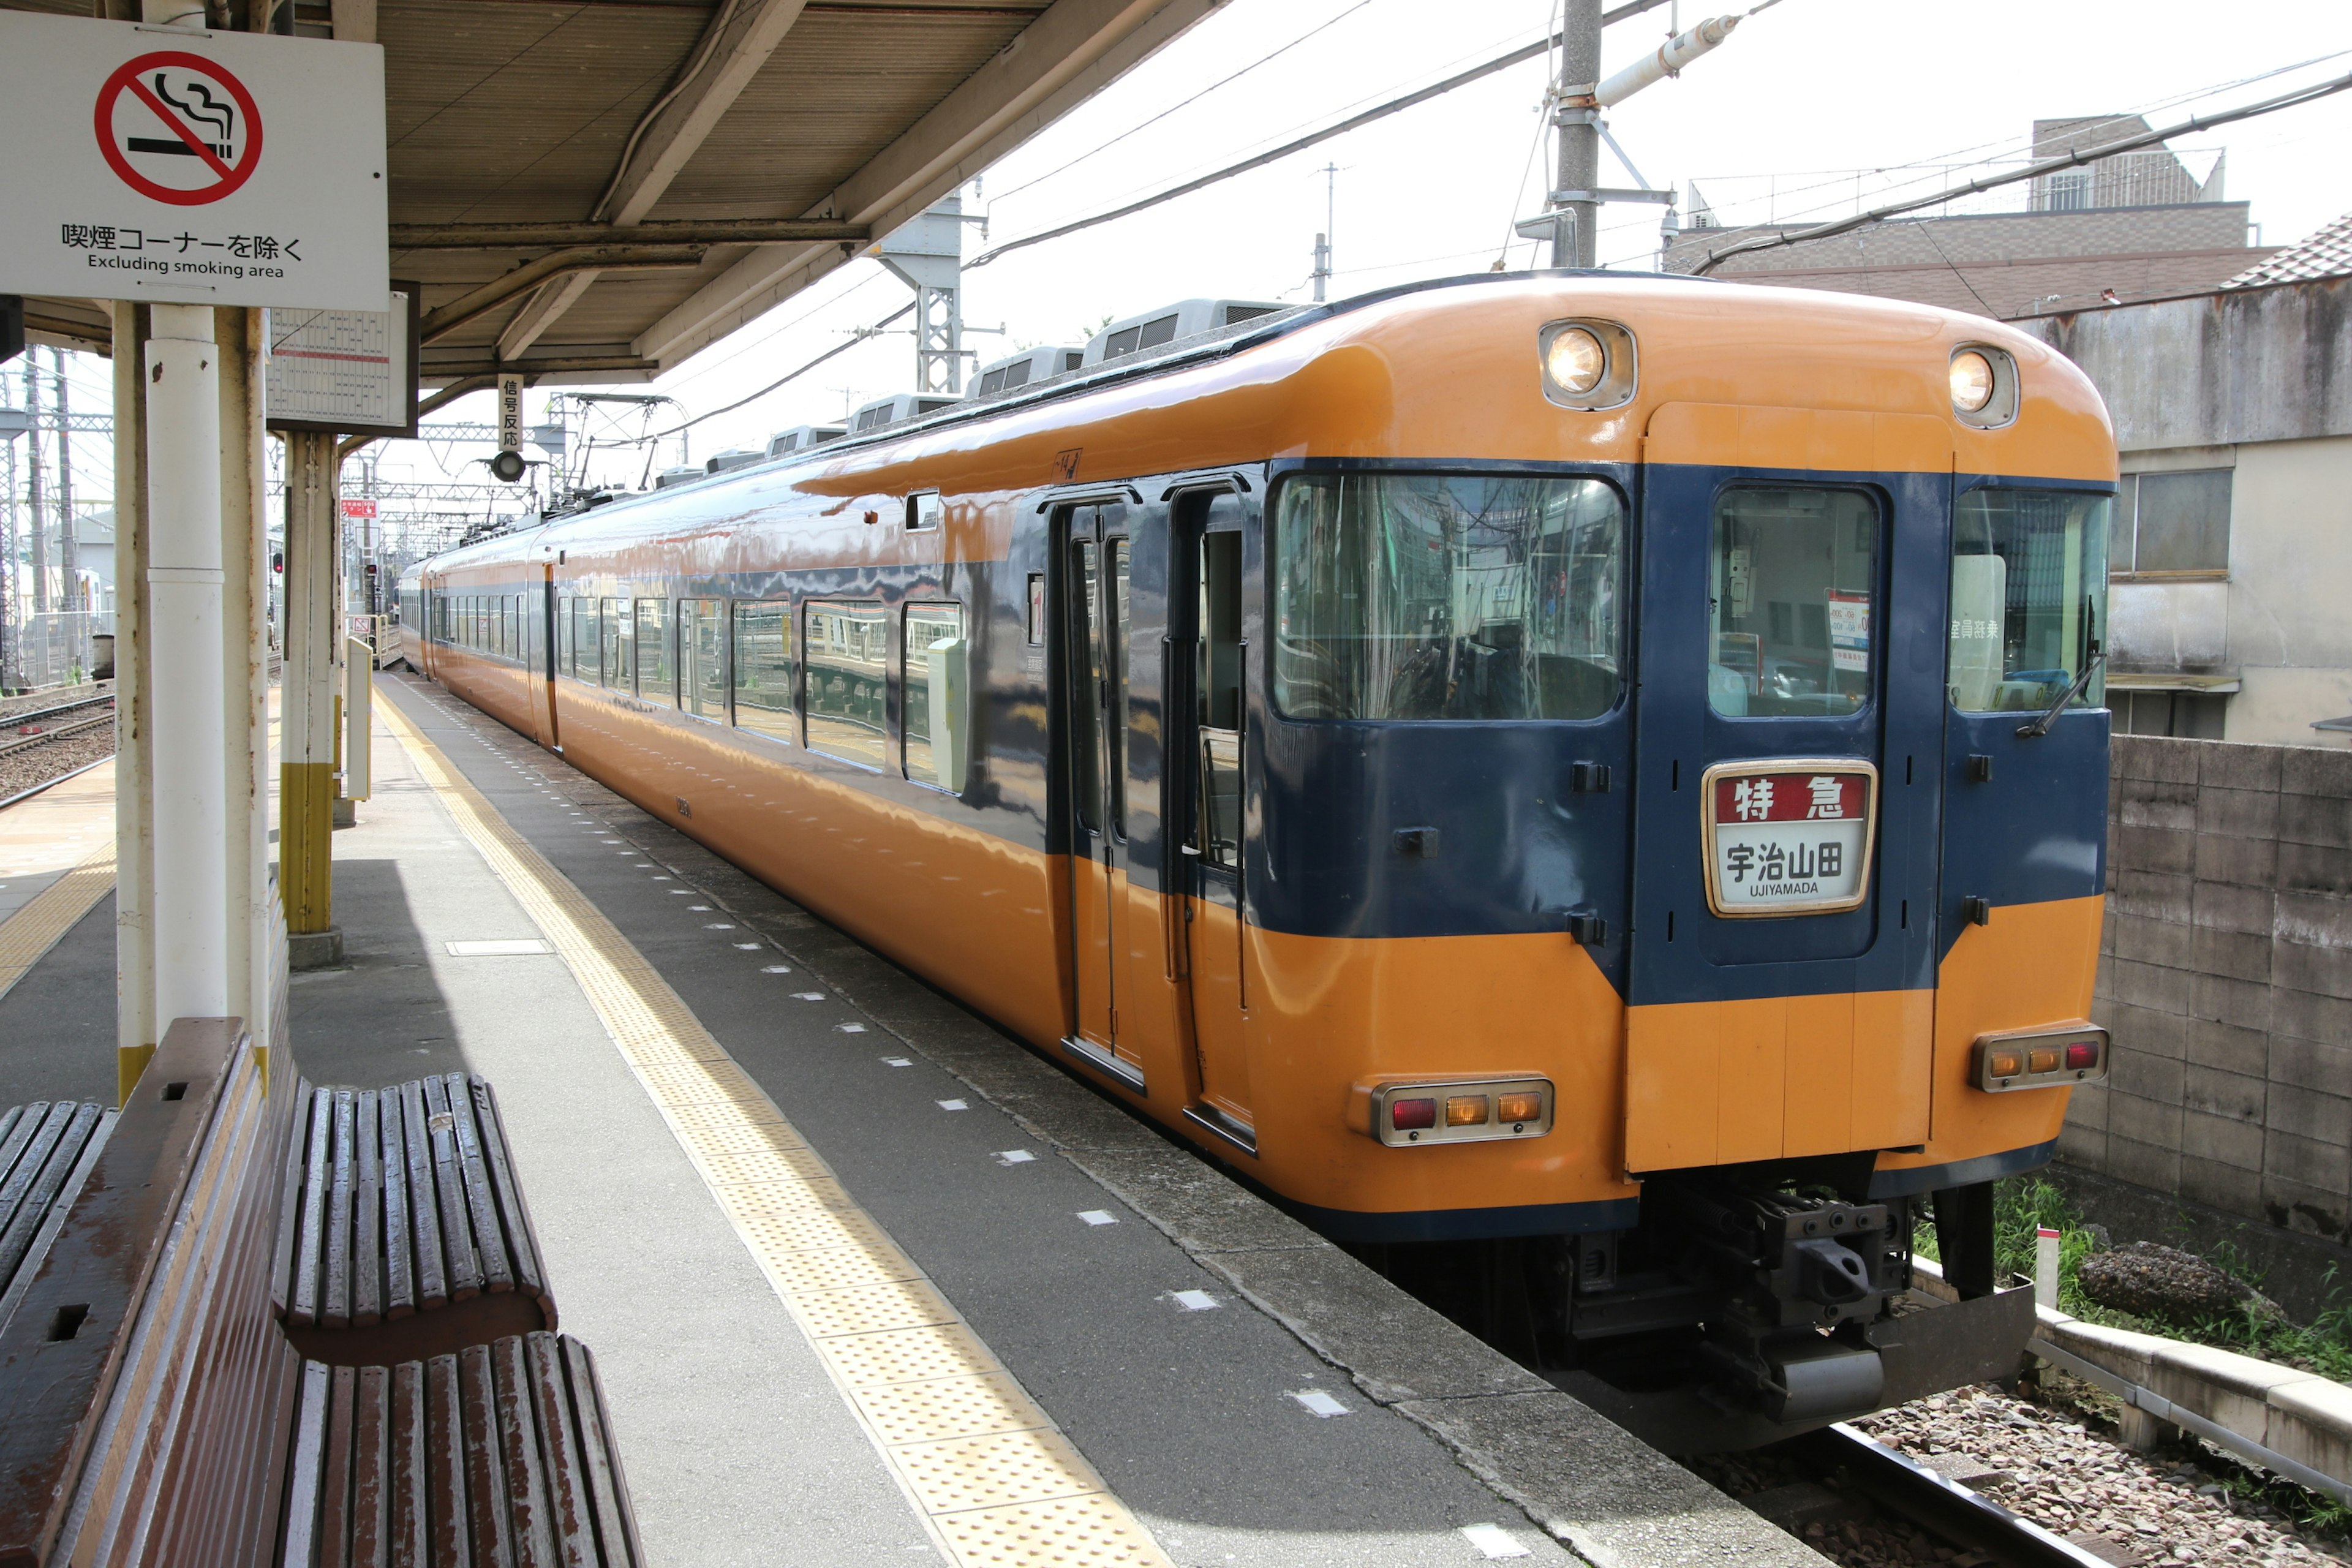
<point x="927" y="254"/>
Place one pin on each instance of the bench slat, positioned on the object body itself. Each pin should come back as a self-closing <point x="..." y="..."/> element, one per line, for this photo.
<point x="367" y="1199"/>
<point x="600" y="1462"/>
<point x="463" y="1265"/>
<point x="411" y="1529"/>
<point x="486" y="1514"/>
<point x="399" y="1225"/>
<point x="289" y="1205"/>
<point x="15" y="1134"/>
<point x="314" y="1134"/>
<point x="424" y="1207"/>
<point x="371" y="1469"/>
<point x="335" y="1296"/>
<point x="335" y="1475"/>
<point x="530" y="1274"/>
<point x="45" y="1234"/>
<point x="449" y="1536"/>
<point x="306" y="1471"/>
<point x="482" y="1208"/>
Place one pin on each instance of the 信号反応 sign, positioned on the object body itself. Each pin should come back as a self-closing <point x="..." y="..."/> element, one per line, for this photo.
<point x="189" y="166"/>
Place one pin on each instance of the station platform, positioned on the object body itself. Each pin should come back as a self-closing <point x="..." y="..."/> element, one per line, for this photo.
<point x="867" y="1280"/>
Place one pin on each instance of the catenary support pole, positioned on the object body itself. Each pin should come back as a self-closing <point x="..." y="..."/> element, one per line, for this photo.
<point x="1577" y="243"/>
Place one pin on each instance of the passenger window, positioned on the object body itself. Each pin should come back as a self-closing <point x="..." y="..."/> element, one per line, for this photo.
<point x="1115" y="654"/>
<point x="653" y="651"/>
<point x="937" y="665"/>
<point x="583" y="638"/>
<point x="1036" y="609"/>
<point x="848" y="651"/>
<point x="1446" y="596"/>
<point x="764" y="668"/>
<point x="924" y="510"/>
<point x="1086" y="672"/>
<point x="2029" y="598"/>
<point x="1789" y="582"/>
<point x="702" y="658"/>
<point x="613" y="662"/>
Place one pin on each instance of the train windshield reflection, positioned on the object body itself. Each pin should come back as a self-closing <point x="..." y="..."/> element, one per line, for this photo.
<point x="1447" y="596"/>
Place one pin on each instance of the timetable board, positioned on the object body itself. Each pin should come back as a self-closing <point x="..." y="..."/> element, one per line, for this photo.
<point x="350" y="372"/>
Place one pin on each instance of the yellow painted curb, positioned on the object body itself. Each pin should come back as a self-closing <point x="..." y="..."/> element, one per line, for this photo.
<point x="983" y="1462"/>
<point x="32" y="930"/>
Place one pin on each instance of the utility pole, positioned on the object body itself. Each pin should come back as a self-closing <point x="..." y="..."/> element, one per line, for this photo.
<point x="1575" y="242"/>
<point x="68" y="555"/>
<point x="1330" y="173"/>
<point x="33" y="488"/>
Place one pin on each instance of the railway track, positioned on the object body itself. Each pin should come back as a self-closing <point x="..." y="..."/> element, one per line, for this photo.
<point x="60" y="721"/>
<point x="1951" y="1512"/>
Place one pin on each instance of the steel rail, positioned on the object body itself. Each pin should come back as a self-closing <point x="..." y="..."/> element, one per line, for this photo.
<point x="26" y="743"/>
<point x="9" y="720"/>
<point x="1942" y="1505"/>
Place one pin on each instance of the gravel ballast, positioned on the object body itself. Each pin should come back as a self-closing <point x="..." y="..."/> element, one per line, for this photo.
<point x="21" y="771"/>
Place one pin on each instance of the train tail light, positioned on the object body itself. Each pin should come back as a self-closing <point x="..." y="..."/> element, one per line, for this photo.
<point x="1457" y="1111"/>
<point x="2039" y="1058"/>
<point x="1412" y="1115"/>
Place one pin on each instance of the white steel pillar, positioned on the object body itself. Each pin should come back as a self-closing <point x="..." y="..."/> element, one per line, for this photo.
<point x="187" y="631"/>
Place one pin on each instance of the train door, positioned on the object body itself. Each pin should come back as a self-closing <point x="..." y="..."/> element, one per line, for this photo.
<point x="1788" y="729"/>
<point x="539" y="667"/>
<point x="1205" y="722"/>
<point x="1094" y="613"/>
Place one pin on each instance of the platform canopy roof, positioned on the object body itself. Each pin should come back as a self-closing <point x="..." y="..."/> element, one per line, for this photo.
<point x="594" y="190"/>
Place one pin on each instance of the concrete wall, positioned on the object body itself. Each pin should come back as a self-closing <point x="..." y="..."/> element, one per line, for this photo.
<point x="2226" y="976"/>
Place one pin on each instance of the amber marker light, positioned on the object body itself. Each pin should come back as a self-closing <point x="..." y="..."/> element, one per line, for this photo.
<point x="1466" y="1111"/>
<point x="1972" y="381"/>
<point x="2005" y="1064"/>
<point x="1576" y="362"/>
<point x="1520" y="1108"/>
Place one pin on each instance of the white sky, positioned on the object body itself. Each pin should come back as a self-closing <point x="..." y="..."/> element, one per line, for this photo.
<point x="1807" y="96"/>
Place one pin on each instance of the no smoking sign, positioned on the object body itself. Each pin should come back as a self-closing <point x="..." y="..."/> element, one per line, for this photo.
<point x="179" y="129"/>
<point x="210" y="168"/>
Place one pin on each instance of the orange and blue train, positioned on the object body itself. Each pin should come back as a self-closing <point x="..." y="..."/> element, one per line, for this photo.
<point x="1589" y="789"/>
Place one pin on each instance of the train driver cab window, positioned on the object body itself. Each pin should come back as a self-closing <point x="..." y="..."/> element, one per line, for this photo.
<point x="764" y="668"/>
<point x="937" y="681"/>
<point x="702" y="659"/>
<point x="1447" y="596"/>
<point x="2029" y="598"/>
<point x="616" y="627"/>
<point x="848" y="651"/>
<point x="1789" y="582"/>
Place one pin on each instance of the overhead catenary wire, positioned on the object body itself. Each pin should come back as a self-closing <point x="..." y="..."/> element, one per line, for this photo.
<point x="857" y="337"/>
<point x="1354" y="121"/>
<point x="1101" y="147"/>
<point x="2194" y="124"/>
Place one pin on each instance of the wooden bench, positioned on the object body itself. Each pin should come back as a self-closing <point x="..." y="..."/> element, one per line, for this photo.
<point x="46" y="1152"/>
<point x="153" y="1410"/>
<point x="403" y="1235"/>
<point x="499" y="1454"/>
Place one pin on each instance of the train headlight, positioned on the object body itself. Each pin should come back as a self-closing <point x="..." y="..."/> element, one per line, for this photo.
<point x="1586" y="363"/>
<point x="1971" y="380"/>
<point x="1983" y="381"/>
<point x="1575" y="361"/>
<point x="1454" y="1110"/>
<point x="2039" y="1058"/>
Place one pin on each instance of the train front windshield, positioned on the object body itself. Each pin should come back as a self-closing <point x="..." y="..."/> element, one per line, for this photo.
<point x="1447" y="596"/>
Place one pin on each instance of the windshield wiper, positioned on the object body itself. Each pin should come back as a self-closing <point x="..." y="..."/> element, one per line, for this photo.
<point x="2042" y="726"/>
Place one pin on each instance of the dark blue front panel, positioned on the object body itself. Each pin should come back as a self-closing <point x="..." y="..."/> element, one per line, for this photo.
<point x="1516" y="849"/>
<point x="2037" y="829"/>
<point x="1683" y="952"/>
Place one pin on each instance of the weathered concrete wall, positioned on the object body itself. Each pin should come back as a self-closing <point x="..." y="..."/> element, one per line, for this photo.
<point x="2251" y="364"/>
<point x="2226" y="976"/>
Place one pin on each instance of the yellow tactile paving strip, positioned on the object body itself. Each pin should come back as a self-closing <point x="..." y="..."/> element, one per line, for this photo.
<point x="982" y="1461"/>
<point x="68" y="825"/>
